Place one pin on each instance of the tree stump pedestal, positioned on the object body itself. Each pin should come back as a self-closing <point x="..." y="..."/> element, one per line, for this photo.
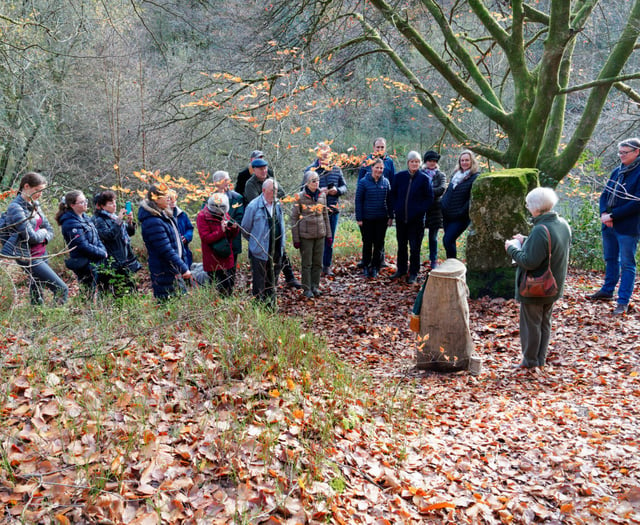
<point x="444" y="318"/>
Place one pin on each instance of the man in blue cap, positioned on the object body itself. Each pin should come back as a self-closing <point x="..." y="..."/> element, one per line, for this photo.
<point x="253" y="188"/>
<point x="246" y="173"/>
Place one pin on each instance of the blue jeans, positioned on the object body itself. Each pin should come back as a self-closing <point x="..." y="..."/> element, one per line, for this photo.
<point x="433" y="245"/>
<point x="40" y="274"/>
<point x="620" y="259"/>
<point x="452" y="230"/>
<point x="327" y="256"/>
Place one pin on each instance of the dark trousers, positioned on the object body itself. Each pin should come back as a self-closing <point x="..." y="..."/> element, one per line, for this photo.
<point x="409" y="235"/>
<point x="373" y="234"/>
<point x="92" y="277"/>
<point x="327" y="256"/>
<point x="224" y="280"/>
<point x="287" y="268"/>
<point x="265" y="278"/>
<point x="452" y="230"/>
<point x="535" y="332"/>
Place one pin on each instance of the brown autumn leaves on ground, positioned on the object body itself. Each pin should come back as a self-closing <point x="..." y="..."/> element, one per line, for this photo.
<point x="126" y="439"/>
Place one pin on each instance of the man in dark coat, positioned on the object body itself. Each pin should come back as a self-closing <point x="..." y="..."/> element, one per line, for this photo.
<point x="245" y="174"/>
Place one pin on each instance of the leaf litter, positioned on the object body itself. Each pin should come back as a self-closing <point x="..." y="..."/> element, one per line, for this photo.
<point x="126" y="440"/>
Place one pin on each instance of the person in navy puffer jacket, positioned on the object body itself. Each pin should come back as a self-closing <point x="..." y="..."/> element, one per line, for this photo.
<point x="115" y="231"/>
<point x="373" y="215"/>
<point x="412" y="195"/>
<point x="88" y="255"/>
<point x="164" y="245"/>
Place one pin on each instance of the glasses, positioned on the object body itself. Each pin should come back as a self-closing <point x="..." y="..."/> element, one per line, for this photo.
<point x="314" y="180"/>
<point x="626" y="152"/>
<point x="82" y="202"/>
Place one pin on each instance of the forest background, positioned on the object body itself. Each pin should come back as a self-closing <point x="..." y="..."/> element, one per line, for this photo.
<point x="92" y="92"/>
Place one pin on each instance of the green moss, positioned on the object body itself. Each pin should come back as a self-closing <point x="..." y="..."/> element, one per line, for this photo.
<point x="515" y="180"/>
<point x="493" y="283"/>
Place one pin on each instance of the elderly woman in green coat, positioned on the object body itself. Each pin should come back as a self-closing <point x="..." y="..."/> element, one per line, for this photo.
<point x="532" y="254"/>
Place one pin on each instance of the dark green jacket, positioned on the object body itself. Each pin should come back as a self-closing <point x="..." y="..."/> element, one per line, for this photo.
<point x="534" y="255"/>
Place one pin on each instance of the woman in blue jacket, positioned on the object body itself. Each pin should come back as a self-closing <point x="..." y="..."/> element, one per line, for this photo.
<point x="28" y="231"/>
<point x="185" y="227"/>
<point x="373" y="215"/>
<point x="164" y="244"/>
<point x="88" y="255"/>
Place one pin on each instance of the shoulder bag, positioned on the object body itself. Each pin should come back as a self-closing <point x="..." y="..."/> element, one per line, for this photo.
<point x="543" y="286"/>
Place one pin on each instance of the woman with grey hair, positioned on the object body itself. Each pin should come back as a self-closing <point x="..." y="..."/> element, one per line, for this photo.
<point x="217" y="231"/>
<point x="411" y="197"/>
<point x="311" y="228"/>
<point x="532" y="254"/>
<point x="222" y="184"/>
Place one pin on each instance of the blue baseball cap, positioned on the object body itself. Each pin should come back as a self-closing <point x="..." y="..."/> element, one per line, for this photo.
<point x="258" y="163"/>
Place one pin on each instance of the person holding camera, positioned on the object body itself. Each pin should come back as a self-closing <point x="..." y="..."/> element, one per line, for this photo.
<point x="115" y="231"/>
<point x="217" y="232"/>
<point x="331" y="182"/>
<point x="222" y="184"/>
<point x="546" y="247"/>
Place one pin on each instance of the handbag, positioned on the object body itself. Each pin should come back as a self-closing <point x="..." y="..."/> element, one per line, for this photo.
<point x="543" y="286"/>
<point x="221" y="248"/>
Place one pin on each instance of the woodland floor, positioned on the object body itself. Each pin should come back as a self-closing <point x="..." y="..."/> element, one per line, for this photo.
<point x="556" y="445"/>
<point x="552" y="445"/>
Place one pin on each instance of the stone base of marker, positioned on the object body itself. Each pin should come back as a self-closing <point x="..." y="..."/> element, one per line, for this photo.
<point x="446" y="344"/>
<point x="475" y="365"/>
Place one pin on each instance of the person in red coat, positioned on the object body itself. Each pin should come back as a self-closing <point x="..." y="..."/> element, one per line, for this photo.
<point x="217" y="231"/>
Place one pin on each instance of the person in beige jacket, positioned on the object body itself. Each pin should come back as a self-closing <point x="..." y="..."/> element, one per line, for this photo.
<point x="311" y="229"/>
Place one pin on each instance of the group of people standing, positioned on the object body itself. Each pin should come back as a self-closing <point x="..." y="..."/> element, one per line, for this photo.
<point x="417" y="198"/>
<point x="101" y="256"/>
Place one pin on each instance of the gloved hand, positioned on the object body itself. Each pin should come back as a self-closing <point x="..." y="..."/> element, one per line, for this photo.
<point x="296" y="245"/>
